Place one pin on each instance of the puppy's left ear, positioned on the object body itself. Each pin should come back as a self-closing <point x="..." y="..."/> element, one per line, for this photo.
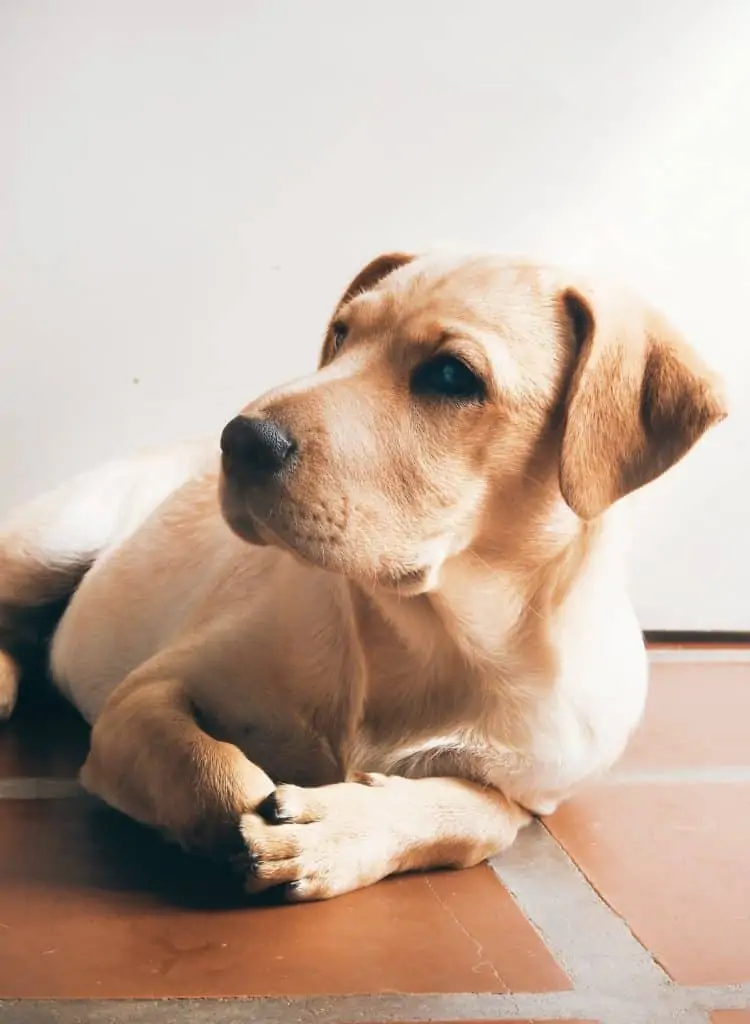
<point x="367" y="279"/>
<point x="638" y="400"/>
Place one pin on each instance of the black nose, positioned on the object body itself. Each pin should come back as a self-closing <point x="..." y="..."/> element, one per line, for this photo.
<point x="256" y="444"/>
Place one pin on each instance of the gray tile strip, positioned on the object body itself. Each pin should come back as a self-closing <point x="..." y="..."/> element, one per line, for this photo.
<point x="19" y="788"/>
<point x="700" y="654"/>
<point x="594" y="945"/>
<point x="629" y="776"/>
<point x="39" y="789"/>
<point x="686" y="1006"/>
<point x="616" y="979"/>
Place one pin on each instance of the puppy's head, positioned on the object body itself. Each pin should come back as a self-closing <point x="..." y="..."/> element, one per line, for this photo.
<point x="458" y="403"/>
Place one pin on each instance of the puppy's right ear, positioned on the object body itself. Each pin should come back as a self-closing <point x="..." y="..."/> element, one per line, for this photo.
<point x="366" y="279"/>
<point x="639" y="399"/>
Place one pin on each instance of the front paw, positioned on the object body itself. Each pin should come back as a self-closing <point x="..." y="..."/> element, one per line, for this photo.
<point x="316" y="843"/>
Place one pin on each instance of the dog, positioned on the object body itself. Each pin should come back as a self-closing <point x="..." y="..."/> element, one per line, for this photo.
<point x="384" y="622"/>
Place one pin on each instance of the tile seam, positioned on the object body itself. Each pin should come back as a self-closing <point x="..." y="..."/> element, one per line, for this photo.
<point x="41" y="787"/>
<point x="700" y="656"/>
<point x="688" y="1005"/>
<point x="584" y="934"/>
<point x="727" y="774"/>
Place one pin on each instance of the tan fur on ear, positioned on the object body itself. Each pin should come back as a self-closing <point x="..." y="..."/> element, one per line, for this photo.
<point x="638" y="401"/>
<point x="368" y="277"/>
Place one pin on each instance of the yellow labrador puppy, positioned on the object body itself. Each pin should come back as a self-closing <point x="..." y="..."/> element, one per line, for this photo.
<point x="389" y="623"/>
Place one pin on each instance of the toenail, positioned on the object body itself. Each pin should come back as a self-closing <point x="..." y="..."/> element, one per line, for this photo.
<point x="269" y="810"/>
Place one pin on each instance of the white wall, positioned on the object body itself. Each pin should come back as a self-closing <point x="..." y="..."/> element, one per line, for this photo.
<point x="186" y="184"/>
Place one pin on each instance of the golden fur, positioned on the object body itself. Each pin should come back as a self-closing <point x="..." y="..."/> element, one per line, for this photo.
<point x="415" y="633"/>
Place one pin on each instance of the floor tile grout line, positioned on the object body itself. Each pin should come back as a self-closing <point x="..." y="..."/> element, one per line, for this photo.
<point x="650" y="776"/>
<point x="41" y="787"/>
<point x="703" y="656"/>
<point x="584" y="934"/>
<point x="688" y="1005"/>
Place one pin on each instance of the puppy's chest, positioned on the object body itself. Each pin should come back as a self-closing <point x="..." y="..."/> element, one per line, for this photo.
<point x="451" y="725"/>
<point x="518" y="733"/>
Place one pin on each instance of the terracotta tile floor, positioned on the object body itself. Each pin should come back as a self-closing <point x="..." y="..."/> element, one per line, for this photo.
<point x="648" y="850"/>
<point x="649" y="920"/>
<point x="697" y="717"/>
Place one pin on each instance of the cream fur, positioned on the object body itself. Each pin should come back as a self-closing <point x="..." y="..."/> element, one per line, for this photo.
<point x="432" y="642"/>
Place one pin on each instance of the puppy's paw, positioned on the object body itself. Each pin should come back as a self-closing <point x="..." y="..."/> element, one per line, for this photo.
<point x="292" y="804"/>
<point x="317" y="843"/>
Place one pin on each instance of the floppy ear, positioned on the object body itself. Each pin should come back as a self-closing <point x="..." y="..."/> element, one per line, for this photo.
<point x="638" y="400"/>
<point x="367" y="278"/>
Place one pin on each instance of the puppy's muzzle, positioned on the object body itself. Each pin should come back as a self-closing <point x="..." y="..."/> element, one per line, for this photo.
<point x="255" y="447"/>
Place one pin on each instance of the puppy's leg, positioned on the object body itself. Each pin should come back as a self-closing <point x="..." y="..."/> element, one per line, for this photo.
<point x="327" y="841"/>
<point x="45" y="548"/>
<point x="47" y="545"/>
<point x="150" y="759"/>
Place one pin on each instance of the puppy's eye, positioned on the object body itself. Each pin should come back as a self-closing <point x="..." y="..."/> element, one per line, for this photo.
<point x="339" y="332"/>
<point x="447" y="377"/>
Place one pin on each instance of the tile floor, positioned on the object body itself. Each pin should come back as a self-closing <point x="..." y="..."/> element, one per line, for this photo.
<point x="631" y="905"/>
